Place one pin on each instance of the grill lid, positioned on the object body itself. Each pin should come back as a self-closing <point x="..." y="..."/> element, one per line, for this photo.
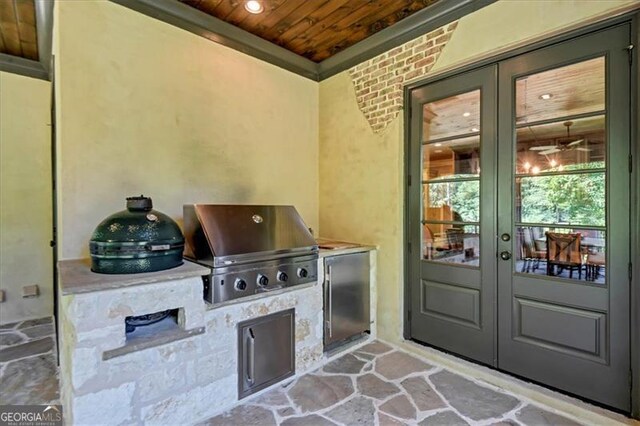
<point x="138" y="239"/>
<point x="220" y="234"/>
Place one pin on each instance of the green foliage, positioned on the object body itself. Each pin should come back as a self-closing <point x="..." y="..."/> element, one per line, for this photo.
<point x="576" y="199"/>
<point x="564" y="199"/>
<point x="462" y="197"/>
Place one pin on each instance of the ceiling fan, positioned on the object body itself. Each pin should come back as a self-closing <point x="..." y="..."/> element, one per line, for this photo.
<point x="567" y="145"/>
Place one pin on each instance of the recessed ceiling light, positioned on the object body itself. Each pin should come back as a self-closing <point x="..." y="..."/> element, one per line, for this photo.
<point x="475" y="129"/>
<point x="438" y="151"/>
<point x="466" y="114"/>
<point x="535" y="170"/>
<point x="438" y="144"/>
<point x="254" y="6"/>
<point x="553" y="162"/>
<point x="546" y="96"/>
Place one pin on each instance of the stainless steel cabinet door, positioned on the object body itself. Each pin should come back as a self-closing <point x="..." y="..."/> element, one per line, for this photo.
<point x="266" y="351"/>
<point x="346" y="298"/>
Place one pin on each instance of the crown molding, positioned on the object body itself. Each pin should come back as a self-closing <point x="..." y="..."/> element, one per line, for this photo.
<point x="197" y="22"/>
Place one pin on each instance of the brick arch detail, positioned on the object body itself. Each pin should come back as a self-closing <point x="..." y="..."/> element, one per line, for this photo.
<point x="378" y="82"/>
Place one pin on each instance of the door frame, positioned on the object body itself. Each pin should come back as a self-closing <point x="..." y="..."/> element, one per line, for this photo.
<point x="634" y="163"/>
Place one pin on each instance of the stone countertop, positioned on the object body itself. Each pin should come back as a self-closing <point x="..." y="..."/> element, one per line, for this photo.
<point x="330" y="247"/>
<point x="75" y="276"/>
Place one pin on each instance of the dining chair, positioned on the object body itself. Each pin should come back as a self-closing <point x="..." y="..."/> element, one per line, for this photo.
<point x="595" y="262"/>
<point x="563" y="251"/>
<point x="455" y="238"/>
<point x="532" y="254"/>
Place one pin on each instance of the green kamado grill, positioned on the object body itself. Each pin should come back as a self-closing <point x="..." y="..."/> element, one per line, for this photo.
<point x="136" y="240"/>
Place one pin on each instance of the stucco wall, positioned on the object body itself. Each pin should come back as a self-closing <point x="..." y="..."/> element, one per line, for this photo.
<point x="361" y="190"/>
<point x="147" y="108"/>
<point x="25" y="196"/>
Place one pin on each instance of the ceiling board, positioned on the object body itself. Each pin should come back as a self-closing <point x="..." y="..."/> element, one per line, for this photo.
<point x="18" y="29"/>
<point x="364" y="27"/>
<point x="315" y="29"/>
<point x="311" y="22"/>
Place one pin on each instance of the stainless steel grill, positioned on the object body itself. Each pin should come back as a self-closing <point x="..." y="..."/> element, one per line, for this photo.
<point x="252" y="249"/>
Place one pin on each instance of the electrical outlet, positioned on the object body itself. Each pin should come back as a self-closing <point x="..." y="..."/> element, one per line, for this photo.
<point x="1" y="296"/>
<point x="30" y="291"/>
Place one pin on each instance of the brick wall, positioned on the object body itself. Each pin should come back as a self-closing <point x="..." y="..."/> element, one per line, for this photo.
<point x="378" y="82"/>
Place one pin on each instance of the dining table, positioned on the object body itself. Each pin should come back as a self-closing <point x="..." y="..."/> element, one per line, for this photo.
<point x="595" y="242"/>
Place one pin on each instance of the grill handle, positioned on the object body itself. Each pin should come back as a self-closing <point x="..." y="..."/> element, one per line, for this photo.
<point x="268" y="289"/>
<point x="251" y="358"/>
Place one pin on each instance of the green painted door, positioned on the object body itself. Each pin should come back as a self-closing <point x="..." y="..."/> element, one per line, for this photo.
<point x="519" y="223"/>
<point x="563" y="198"/>
<point x="452" y="214"/>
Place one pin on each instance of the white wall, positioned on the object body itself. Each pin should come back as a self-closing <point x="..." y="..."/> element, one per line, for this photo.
<point x="25" y="196"/>
<point x="147" y="108"/>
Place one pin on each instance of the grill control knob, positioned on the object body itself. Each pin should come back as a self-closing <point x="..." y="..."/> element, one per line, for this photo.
<point x="240" y="284"/>
<point x="282" y="276"/>
<point x="262" y="280"/>
<point x="302" y="273"/>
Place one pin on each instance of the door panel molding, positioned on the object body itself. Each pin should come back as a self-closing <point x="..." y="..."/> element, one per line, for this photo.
<point x="576" y="332"/>
<point x="451" y="302"/>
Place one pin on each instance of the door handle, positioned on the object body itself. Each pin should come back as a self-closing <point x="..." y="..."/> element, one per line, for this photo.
<point x="505" y="255"/>
<point x="251" y="358"/>
<point x="329" y="302"/>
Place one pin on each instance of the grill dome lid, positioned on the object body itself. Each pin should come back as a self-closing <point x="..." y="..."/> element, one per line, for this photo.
<point x="138" y="239"/>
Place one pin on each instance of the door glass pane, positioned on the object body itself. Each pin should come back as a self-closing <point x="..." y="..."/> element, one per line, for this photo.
<point x="562" y="145"/>
<point x="451" y="159"/>
<point x="572" y="253"/>
<point x="560" y="182"/>
<point x="571" y="199"/>
<point x="451" y="179"/>
<point x="452" y="201"/>
<point x="452" y="117"/>
<point x="561" y="92"/>
<point x="452" y="243"/>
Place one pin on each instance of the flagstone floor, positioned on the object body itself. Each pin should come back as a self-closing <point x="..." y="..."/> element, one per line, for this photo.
<point x="376" y="385"/>
<point x="28" y="367"/>
<point x="379" y="385"/>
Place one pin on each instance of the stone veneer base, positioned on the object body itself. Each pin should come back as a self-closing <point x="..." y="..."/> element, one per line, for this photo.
<point x="103" y="381"/>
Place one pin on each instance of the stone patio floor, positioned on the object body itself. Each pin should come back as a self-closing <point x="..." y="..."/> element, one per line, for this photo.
<point x="380" y="385"/>
<point x="28" y="367"/>
<point x="375" y="384"/>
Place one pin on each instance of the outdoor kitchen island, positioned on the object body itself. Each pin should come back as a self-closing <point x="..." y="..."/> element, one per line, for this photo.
<point x="185" y="368"/>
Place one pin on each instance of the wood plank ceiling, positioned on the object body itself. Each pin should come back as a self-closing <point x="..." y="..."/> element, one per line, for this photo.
<point x="315" y="29"/>
<point x="18" y="28"/>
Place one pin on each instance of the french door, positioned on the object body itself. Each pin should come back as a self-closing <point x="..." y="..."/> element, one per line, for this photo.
<point x="522" y="216"/>
<point x="454" y="153"/>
